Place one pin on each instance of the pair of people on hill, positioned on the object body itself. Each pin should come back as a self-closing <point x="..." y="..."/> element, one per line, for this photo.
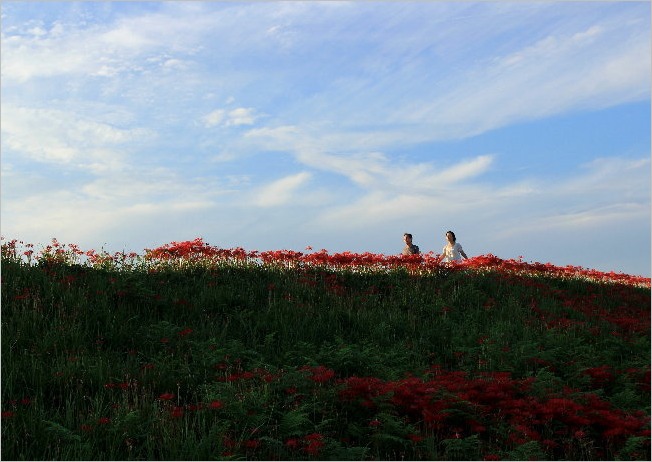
<point x="452" y="251"/>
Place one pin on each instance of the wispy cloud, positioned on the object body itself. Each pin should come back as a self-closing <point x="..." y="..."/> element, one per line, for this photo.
<point x="53" y="135"/>
<point x="78" y="46"/>
<point x="370" y="170"/>
<point x="280" y="192"/>
<point x="235" y="117"/>
<point x="562" y="210"/>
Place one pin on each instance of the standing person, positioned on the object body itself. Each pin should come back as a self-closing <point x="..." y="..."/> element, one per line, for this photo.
<point x="452" y="251"/>
<point x="409" y="249"/>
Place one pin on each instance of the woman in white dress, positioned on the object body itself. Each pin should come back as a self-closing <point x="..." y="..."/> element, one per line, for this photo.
<point x="452" y="251"/>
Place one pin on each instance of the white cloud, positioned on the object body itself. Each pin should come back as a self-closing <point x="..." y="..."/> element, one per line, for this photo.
<point x="581" y="221"/>
<point x="92" y="223"/>
<point x="607" y="192"/>
<point x="126" y="37"/>
<point x="377" y="210"/>
<point x="214" y="118"/>
<point x="603" y="193"/>
<point x="282" y="191"/>
<point x="59" y="136"/>
<point x="583" y="63"/>
<point x="241" y="116"/>
<point x="174" y="65"/>
<point x="227" y="156"/>
<point x="97" y="49"/>
<point x="138" y="204"/>
<point x="590" y="69"/>
<point x="461" y="171"/>
<point x="370" y="170"/>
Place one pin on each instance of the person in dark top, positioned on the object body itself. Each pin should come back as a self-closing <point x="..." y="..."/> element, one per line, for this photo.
<point x="410" y="248"/>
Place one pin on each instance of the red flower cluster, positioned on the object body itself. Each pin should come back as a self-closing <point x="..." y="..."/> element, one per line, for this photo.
<point x="195" y="249"/>
<point x="424" y="263"/>
<point x="453" y="404"/>
<point x="199" y="251"/>
<point x="601" y="376"/>
<point x="319" y="374"/>
<point x="120" y="385"/>
<point x="258" y="373"/>
<point x="310" y="444"/>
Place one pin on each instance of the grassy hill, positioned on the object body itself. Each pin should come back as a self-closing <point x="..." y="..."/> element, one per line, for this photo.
<point x="191" y="352"/>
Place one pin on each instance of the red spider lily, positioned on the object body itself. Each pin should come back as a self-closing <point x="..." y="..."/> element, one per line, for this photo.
<point x="121" y="385"/>
<point x="176" y="412"/>
<point x="491" y="396"/>
<point x="228" y="442"/>
<point x="363" y="388"/>
<point x="264" y="375"/>
<point x="6" y="415"/>
<point x="313" y="443"/>
<point x="319" y="374"/>
<point x="313" y="447"/>
<point x="24" y="295"/>
<point x="185" y="332"/>
<point x="491" y="457"/>
<point x="252" y="444"/>
<point x="600" y="376"/>
<point x="221" y="366"/>
<point x="166" y="396"/>
<point x="68" y="280"/>
<point x="246" y="375"/>
<point x="198" y="250"/>
<point x="292" y="443"/>
<point x="104" y="420"/>
<point x="180" y="250"/>
<point x="216" y="404"/>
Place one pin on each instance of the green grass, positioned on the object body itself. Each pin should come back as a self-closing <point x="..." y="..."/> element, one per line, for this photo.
<point x="261" y="362"/>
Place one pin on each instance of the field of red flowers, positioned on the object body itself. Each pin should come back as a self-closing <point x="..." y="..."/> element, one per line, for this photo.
<point x="194" y="352"/>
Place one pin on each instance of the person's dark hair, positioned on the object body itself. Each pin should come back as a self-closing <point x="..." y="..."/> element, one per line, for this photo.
<point x="452" y="234"/>
<point x="408" y="235"/>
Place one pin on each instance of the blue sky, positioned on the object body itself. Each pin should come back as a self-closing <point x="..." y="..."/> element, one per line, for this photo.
<point x="522" y="126"/>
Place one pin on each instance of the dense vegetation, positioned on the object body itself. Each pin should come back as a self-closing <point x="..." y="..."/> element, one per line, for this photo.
<point x="191" y="352"/>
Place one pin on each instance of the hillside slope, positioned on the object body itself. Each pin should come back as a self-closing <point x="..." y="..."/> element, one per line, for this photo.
<point x="191" y="356"/>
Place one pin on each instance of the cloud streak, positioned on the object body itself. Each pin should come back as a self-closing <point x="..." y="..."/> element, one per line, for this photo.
<point x="60" y="137"/>
<point x="280" y="192"/>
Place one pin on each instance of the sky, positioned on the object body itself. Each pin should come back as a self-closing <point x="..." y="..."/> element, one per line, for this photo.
<point x="522" y="126"/>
